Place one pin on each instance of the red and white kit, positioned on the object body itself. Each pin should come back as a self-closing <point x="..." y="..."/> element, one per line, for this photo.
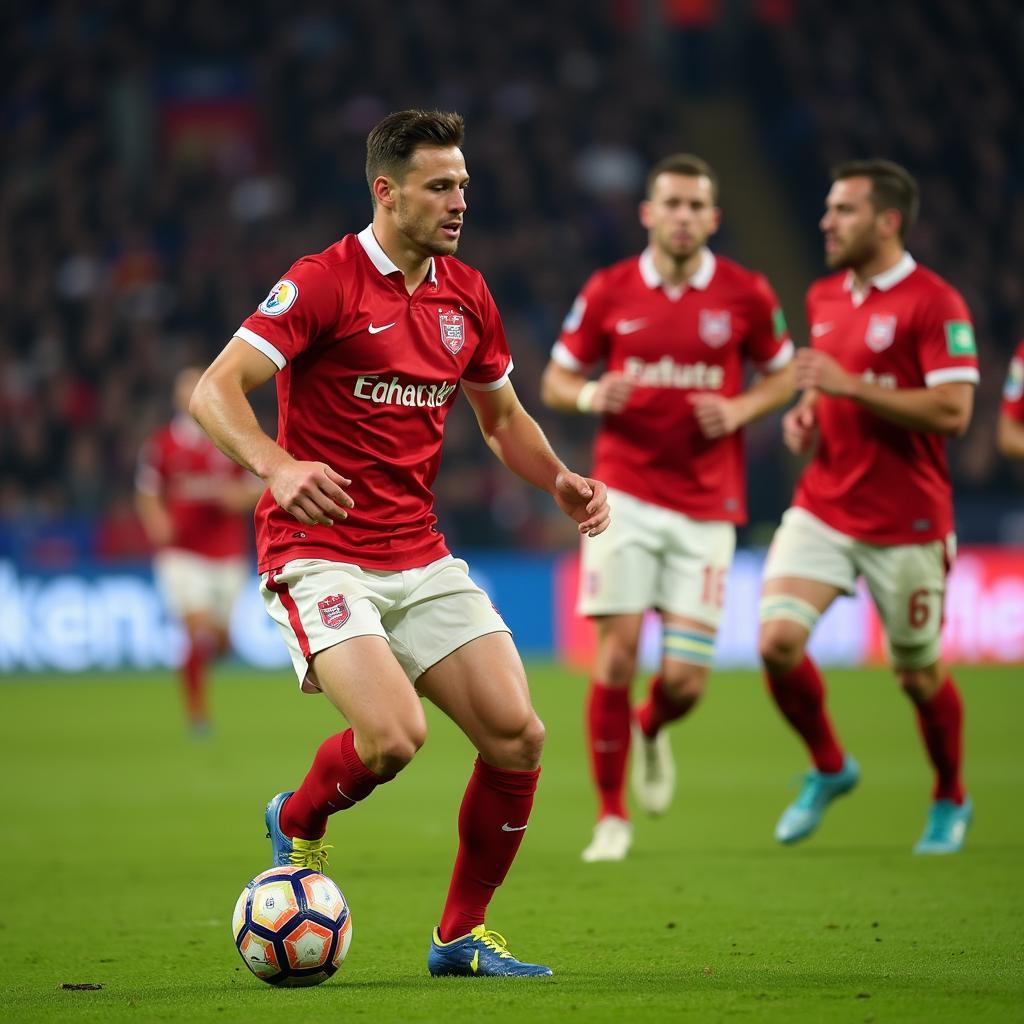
<point x="674" y="342"/>
<point x="1013" y="389"/>
<point x="376" y="371"/>
<point x="872" y="479"/>
<point x="184" y="468"/>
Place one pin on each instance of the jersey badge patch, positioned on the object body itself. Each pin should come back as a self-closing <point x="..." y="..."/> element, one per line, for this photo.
<point x="281" y="298"/>
<point x="881" y="332"/>
<point x="453" y="331"/>
<point x="715" y="327"/>
<point x="960" y="338"/>
<point x="1013" y="390"/>
<point x="334" y="611"/>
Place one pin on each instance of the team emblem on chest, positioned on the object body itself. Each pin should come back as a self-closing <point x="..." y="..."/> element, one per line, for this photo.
<point x="453" y="330"/>
<point x="715" y="327"/>
<point x="881" y="332"/>
<point x="334" y="611"/>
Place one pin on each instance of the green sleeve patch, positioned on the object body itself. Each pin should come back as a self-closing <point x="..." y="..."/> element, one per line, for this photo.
<point x="779" y="323"/>
<point x="960" y="338"/>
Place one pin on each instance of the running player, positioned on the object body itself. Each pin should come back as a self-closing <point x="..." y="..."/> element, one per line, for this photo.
<point x="371" y="340"/>
<point x="672" y="329"/>
<point x="1011" y="415"/>
<point x="890" y="374"/>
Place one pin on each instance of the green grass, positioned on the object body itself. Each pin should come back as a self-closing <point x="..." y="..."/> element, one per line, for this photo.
<point x="125" y="843"/>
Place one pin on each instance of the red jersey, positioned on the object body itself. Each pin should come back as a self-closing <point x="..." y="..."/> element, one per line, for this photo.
<point x="673" y="342"/>
<point x="184" y="468"/>
<point x="870" y="478"/>
<point x="367" y="376"/>
<point x="1013" y="389"/>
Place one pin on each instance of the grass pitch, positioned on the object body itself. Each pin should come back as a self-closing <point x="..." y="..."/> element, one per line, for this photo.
<point x="125" y="843"/>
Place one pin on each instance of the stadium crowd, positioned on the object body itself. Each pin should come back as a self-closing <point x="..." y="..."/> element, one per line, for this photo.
<point x="166" y="162"/>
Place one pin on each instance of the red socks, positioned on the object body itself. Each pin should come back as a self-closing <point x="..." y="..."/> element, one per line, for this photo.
<point x="336" y="781"/>
<point x="800" y="695"/>
<point x="608" y="721"/>
<point x="193" y="677"/>
<point x="941" y="722"/>
<point x="492" y="821"/>
<point x="659" y="710"/>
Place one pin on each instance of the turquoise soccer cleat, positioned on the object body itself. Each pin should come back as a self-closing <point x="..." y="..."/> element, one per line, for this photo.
<point x="288" y="851"/>
<point x="946" y="828"/>
<point x="804" y="814"/>
<point x="480" y="954"/>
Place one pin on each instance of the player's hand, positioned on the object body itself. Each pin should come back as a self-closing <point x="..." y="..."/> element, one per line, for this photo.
<point x="799" y="428"/>
<point x="613" y="391"/>
<point x="717" y="415"/>
<point x="584" y="500"/>
<point x="817" y="369"/>
<point x="311" y="492"/>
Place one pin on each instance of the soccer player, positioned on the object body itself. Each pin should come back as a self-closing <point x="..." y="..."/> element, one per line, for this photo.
<point x="194" y="504"/>
<point x="671" y="330"/>
<point x="890" y="374"/>
<point x="371" y="340"/>
<point x="1011" y="415"/>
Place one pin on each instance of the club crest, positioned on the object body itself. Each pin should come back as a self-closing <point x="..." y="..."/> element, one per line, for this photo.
<point x="453" y="330"/>
<point x="715" y="327"/>
<point x="334" y="611"/>
<point x="881" y="332"/>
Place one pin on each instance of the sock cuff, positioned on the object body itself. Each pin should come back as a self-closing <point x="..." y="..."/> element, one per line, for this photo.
<point x="614" y="695"/>
<point x="354" y="766"/>
<point x="507" y="780"/>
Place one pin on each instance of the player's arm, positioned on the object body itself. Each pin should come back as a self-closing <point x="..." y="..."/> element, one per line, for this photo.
<point x="800" y="424"/>
<point x="310" y="491"/>
<point x="515" y="437"/>
<point x="1010" y="436"/>
<point x="156" y="520"/>
<point x="718" y="416"/>
<point x="943" y="409"/>
<point x="568" y="391"/>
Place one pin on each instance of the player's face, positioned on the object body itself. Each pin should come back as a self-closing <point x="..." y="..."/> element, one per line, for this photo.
<point x="850" y="224"/>
<point x="680" y="214"/>
<point x="430" y="201"/>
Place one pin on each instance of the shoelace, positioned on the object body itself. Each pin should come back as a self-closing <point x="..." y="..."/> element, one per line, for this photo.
<point x="315" y="857"/>
<point x="494" y="941"/>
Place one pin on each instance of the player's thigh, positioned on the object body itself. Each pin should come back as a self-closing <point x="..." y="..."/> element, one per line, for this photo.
<point x="697" y="555"/>
<point x="620" y="569"/>
<point x="230" y="576"/>
<point x="908" y="585"/>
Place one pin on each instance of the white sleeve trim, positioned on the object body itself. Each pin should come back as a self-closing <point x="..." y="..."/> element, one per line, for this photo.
<point x="561" y="355"/>
<point x="262" y="345"/>
<point x="781" y="358"/>
<point x="493" y="386"/>
<point x="952" y="374"/>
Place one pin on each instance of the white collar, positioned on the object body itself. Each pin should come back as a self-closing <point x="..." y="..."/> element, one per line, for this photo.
<point x="899" y="271"/>
<point x="381" y="260"/>
<point x="700" y="279"/>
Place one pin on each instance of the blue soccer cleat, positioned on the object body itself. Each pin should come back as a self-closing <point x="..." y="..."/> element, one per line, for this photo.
<point x="480" y="954"/>
<point x="946" y="828"/>
<point x="804" y="814"/>
<point x="288" y="851"/>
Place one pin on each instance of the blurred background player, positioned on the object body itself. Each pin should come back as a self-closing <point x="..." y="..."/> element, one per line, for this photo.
<point x="890" y="374"/>
<point x="672" y="328"/>
<point x="1011" y="414"/>
<point x="194" y="504"/>
<point x="372" y="339"/>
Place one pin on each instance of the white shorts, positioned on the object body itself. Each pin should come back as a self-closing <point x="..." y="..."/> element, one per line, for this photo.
<point x="652" y="557"/>
<point x="424" y="613"/>
<point x="192" y="584"/>
<point x="907" y="582"/>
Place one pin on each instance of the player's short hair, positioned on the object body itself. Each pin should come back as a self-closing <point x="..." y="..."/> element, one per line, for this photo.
<point x="391" y="144"/>
<point x="892" y="187"/>
<point x="686" y="164"/>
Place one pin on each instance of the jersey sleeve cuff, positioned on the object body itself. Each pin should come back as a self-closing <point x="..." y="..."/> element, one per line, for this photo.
<point x="781" y="358"/>
<point x="951" y="375"/>
<point x="262" y="345"/>
<point x="561" y="355"/>
<point x="493" y="386"/>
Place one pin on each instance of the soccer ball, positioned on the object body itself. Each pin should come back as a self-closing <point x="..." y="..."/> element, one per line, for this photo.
<point x="292" y="926"/>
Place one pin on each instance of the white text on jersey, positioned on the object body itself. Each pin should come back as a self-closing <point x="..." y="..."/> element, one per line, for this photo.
<point x="394" y="392"/>
<point x="667" y="373"/>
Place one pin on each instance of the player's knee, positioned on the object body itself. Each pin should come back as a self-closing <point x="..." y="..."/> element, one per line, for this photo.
<point x="520" y="748"/>
<point x="531" y="741"/>
<point x="391" y="750"/>
<point x="684" y="684"/>
<point x="781" y="645"/>
<point x="919" y="684"/>
<point x="617" y="665"/>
